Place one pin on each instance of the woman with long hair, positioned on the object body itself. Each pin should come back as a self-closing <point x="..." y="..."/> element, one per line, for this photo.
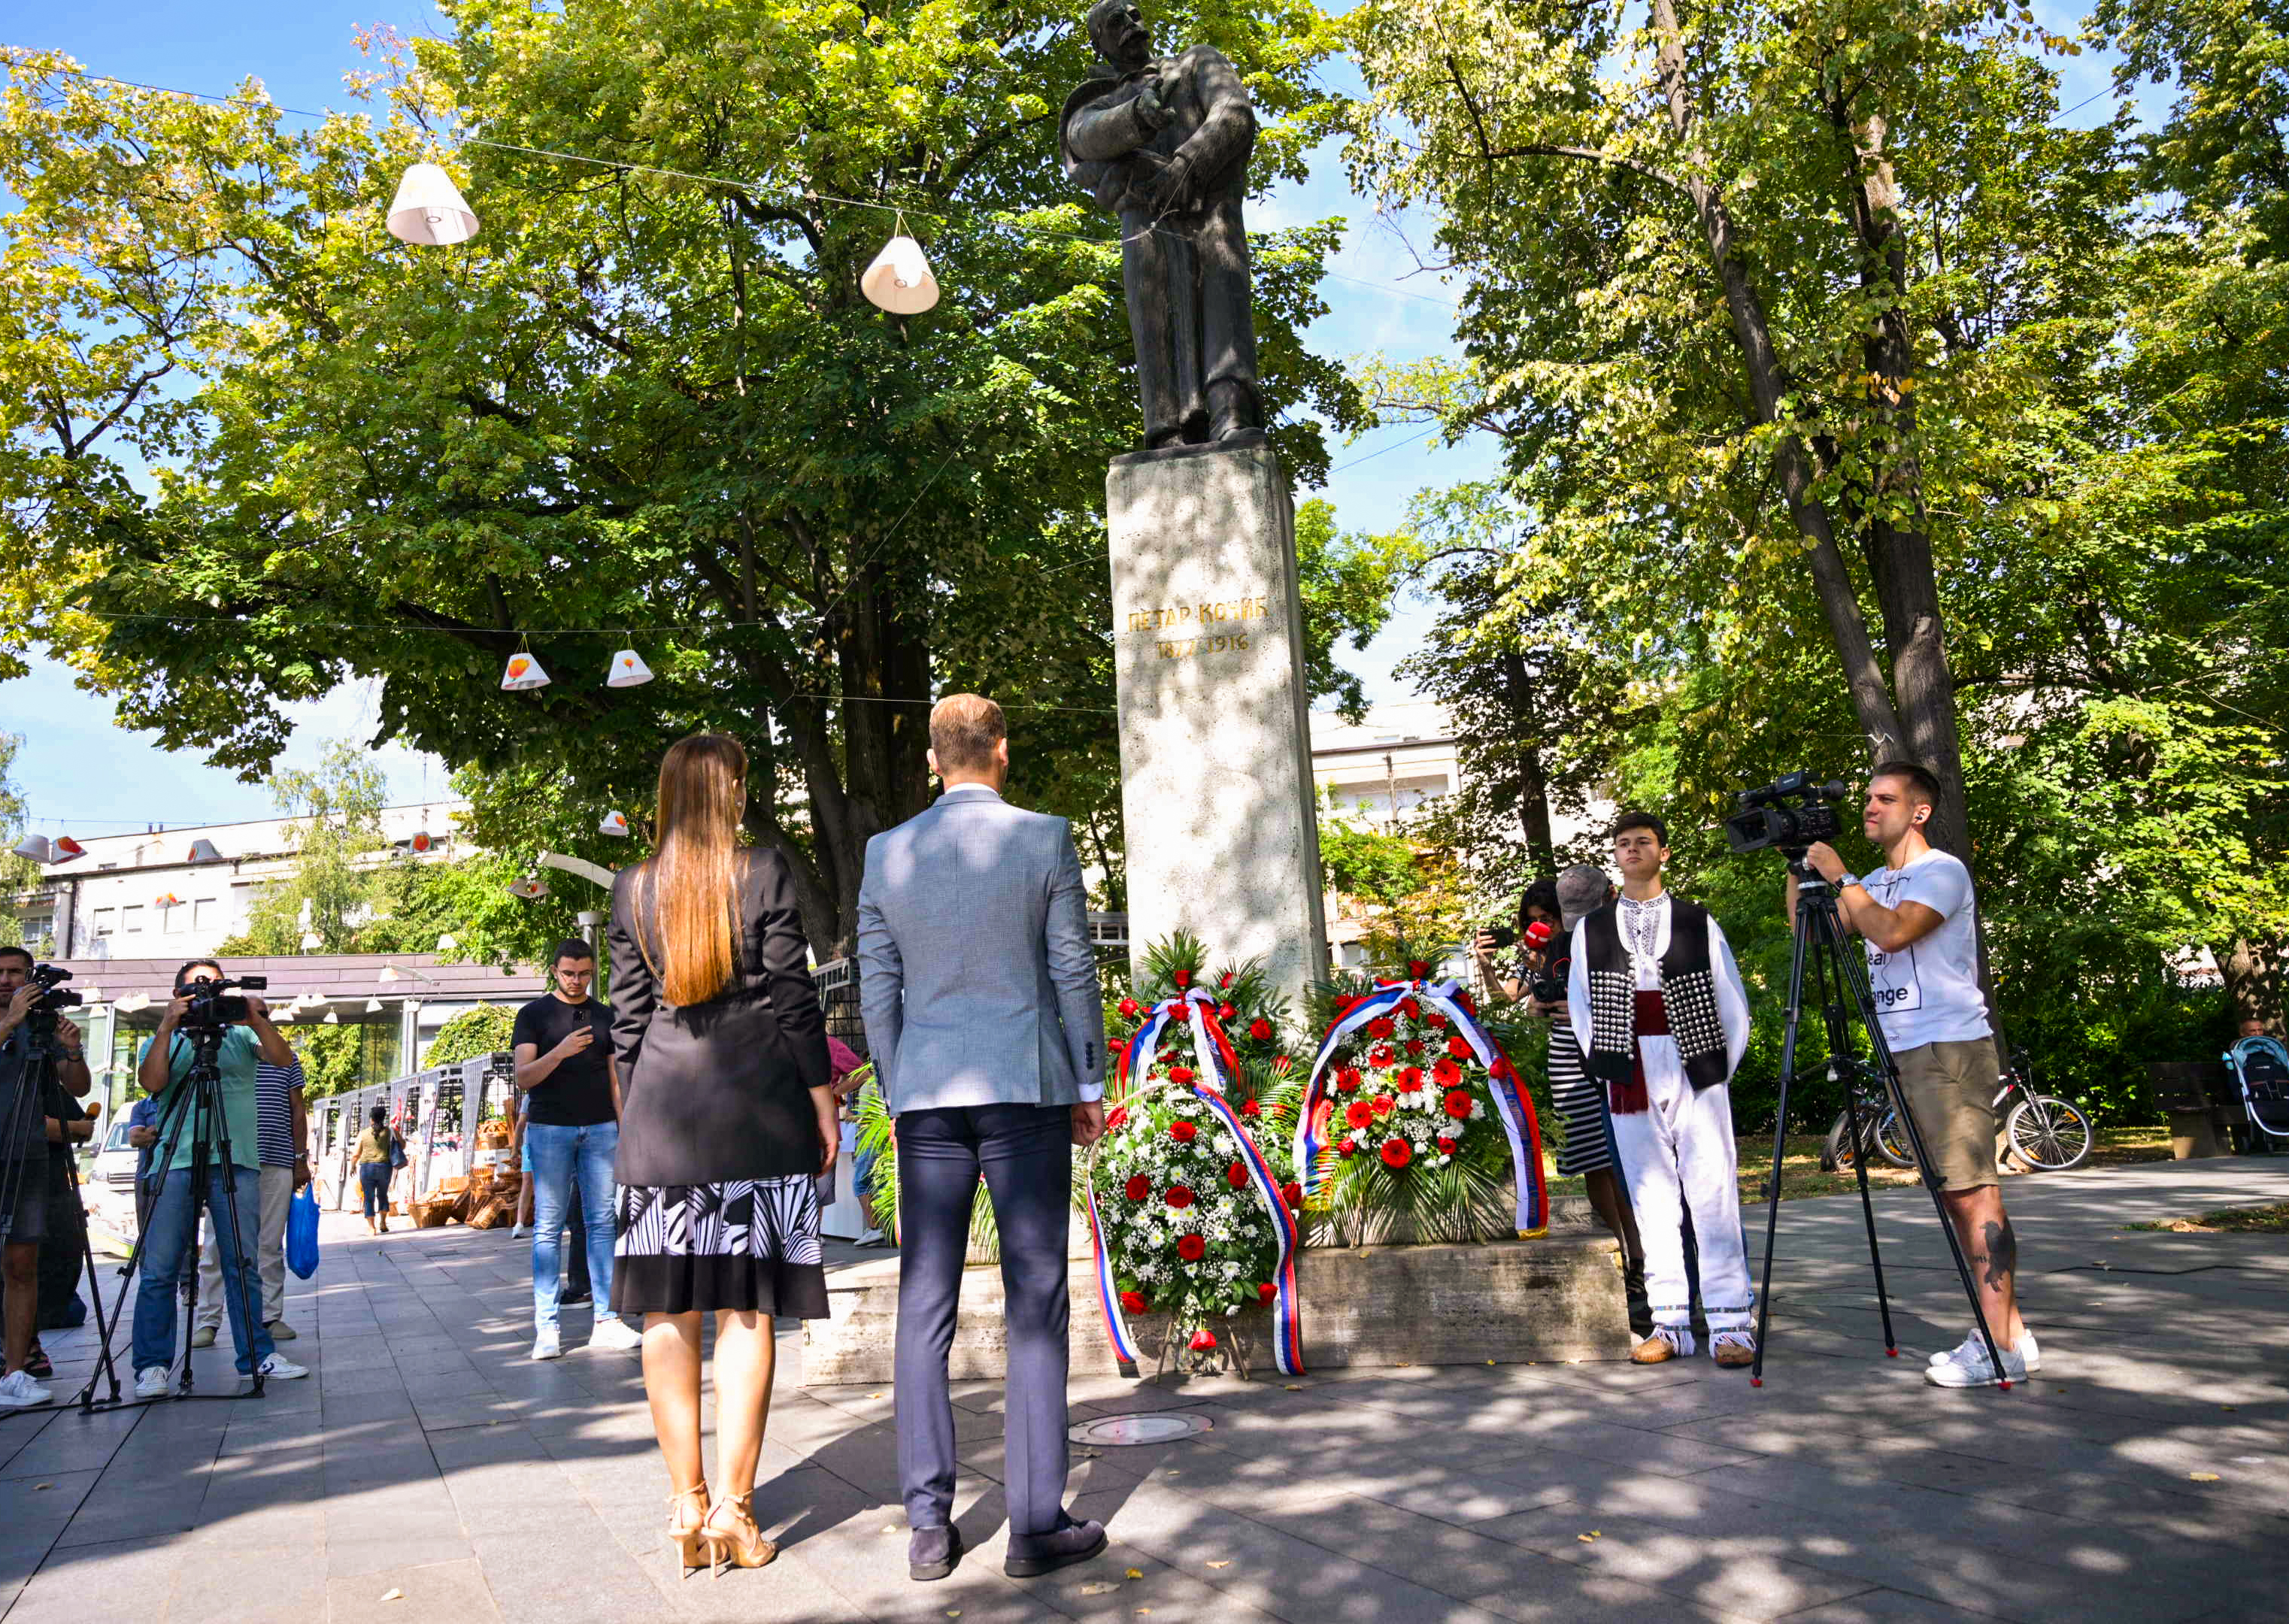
<point x="728" y="1115"/>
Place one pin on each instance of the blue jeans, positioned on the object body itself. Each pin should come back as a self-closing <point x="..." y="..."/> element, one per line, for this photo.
<point x="167" y="1240"/>
<point x="374" y="1185"/>
<point x="556" y="1151"/>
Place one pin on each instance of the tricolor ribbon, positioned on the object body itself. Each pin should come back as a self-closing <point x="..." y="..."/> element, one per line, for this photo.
<point x="1210" y="1047"/>
<point x="1512" y="1102"/>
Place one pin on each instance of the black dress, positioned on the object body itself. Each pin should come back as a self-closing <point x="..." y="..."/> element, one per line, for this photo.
<point x="719" y="1142"/>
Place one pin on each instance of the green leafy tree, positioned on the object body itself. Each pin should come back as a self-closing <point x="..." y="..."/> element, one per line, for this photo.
<point x="1347" y="582"/>
<point x="485" y="1029"/>
<point x="17" y="874"/>
<point x="634" y="400"/>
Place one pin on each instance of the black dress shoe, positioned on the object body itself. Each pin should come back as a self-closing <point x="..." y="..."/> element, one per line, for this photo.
<point x="570" y="1299"/>
<point x="1031" y="1556"/>
<point x="932" y="1552"/>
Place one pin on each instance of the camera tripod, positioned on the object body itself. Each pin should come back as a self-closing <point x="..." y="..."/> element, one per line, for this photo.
<point x="194" y="1103"/>
<point x="1842" y="975"/>
<point x="31" y="1089"/>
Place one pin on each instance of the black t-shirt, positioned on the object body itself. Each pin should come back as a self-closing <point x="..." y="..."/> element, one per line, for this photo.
<point x="578" y="1093"/>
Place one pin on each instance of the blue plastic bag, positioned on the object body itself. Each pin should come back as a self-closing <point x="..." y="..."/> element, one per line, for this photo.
<point x="302" y="1232"/>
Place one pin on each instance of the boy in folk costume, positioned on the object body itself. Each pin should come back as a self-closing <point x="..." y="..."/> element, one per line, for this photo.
<point x="1658" y="1007"/>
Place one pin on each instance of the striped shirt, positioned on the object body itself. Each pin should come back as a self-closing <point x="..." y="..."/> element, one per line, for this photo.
<point x="274" y="1106"/>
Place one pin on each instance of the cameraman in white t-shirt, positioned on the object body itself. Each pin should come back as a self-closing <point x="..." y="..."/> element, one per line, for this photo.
<point x="1921" y="925"/>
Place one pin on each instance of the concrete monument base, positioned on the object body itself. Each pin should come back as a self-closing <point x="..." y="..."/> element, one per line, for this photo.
<point x="1215" y="769"/>
<point x="1504" y="1300"/>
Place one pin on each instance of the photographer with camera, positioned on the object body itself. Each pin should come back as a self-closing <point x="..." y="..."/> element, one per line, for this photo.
<point x="1920" y="920"/>
<point x="1663" y="1019"/>
<point x="29" y="1024"/>
<point x="247" y="1038"/>
<point x="1547" y="915"/>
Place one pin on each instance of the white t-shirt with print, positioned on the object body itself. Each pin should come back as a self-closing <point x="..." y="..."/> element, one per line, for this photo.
<point x="1928" y="991"/>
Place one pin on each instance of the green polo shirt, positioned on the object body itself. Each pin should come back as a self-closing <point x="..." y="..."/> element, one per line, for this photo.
<point x="235" y="1060"/>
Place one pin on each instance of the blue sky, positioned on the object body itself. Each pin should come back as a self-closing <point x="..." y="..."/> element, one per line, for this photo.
<point x="81" y="772"/>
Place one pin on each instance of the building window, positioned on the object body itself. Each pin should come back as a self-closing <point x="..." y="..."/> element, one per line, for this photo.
<point x="131" y="919"/>
<point x="106" y="920"/>
<point x="175" y="918"/>
<point x="206" y="913"/>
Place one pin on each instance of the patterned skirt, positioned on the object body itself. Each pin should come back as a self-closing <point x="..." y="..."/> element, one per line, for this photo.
<point x="747" y="1244"/>
<point x="1575" y="1101"/>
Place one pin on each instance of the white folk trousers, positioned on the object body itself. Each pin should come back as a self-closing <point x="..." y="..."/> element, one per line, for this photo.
<point x="1678" y="1154"/>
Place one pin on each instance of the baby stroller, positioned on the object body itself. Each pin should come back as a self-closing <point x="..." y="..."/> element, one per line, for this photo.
<point x="2261" y="1066"/>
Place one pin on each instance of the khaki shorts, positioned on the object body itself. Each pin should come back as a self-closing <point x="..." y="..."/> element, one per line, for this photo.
<point x="1950" y="1088"/>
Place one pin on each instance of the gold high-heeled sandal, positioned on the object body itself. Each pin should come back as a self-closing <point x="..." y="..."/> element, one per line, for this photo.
<point x="690" y="1538"/>
<point x="736" y="1547"/>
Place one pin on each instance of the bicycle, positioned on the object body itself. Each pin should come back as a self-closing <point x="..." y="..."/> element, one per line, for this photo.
<point x="2048" y="1134"/>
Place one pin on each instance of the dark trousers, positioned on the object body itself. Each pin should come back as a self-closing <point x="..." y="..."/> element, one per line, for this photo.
<point x="1025" y="1153"/>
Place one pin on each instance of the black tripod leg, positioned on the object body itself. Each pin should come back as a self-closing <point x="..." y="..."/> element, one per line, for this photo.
<point x="1839" y="1044"/>
<point x="104" y="1357"/>
<point x="242" y="1263"/>
<point x="1779" y="1141"/>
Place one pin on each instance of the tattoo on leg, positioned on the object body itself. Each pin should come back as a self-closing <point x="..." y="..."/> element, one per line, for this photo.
<point x="2002" y="1245"/>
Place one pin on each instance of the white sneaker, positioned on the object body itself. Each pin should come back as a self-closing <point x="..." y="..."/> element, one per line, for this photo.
<point x="2027" y="1349"/>
<point x="546" y="1344"/>
<point x="20" y="1391"/>
<point x="278" y="1367"/>
<point x="616" y="1333"/>
<point x="151" y="1381"/>
<point x="1969" y="1366"/>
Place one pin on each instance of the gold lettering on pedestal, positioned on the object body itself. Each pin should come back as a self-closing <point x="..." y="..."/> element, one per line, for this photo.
<point x="1166" y="616"/>
<point x="1192" y="646"/>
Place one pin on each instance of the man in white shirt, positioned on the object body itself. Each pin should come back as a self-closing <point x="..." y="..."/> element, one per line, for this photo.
<point x="1922" y="928"/>
<point x="1657" y="1005"/>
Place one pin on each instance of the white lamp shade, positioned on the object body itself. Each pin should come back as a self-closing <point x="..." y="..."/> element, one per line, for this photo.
<point x="429" y="210"/>
<point x="67" y="848"/>
<point x="523" y="672"/>
<point x="36" y="848"/>
<point x="312" y="942"/>
<point x="533" y="887"/>
<point x="388" y="974"/>
<point x="613" y="823"/>
<point x="447" y="944"/>
<point x="899" y="281"/>
<point x="373" y="1006"/>
<point x="629" y="670"/>
<point x="204" y="851"/>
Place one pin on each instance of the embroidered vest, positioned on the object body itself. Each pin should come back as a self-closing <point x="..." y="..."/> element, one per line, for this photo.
<point x="1688" y="988"/>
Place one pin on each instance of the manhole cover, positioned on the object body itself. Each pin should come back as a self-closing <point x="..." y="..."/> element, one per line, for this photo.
<point x="1119" y="1429"/>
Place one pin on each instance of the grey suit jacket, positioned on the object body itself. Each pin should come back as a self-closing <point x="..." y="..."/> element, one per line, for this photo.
<point x="976" y="980"/>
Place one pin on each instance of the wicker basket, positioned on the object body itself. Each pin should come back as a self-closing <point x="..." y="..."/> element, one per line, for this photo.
<point x="435" y="1212"/>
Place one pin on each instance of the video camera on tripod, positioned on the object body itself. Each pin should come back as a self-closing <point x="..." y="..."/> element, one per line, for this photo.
<point x="1789" y="813"/>
<point x="209" y="1009"/>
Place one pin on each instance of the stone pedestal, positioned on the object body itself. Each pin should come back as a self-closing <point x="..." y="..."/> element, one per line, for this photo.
<point x="1215" y="764"/>
<point x="1505" y="1300"/>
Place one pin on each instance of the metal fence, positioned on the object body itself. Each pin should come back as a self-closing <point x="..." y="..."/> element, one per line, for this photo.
<point x="435" y="1112"/>
<point x="838" y="978"/>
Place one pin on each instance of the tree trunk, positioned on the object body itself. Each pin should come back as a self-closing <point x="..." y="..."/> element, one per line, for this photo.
<point x="2253" y="972"/>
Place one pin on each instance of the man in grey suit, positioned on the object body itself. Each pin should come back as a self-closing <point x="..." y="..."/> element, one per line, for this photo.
<point x="980" y="997"/>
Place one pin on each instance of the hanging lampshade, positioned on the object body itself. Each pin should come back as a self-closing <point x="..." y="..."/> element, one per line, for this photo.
<point x="446" y="945"/>
<point x="167" y="899"/>
<point x="420" y="841"/>
<point x="533" y="887"/>
<point x="523" y="672"/>
<point x="429" y="210"/>
<point x="613" y="823"/>
<point x="899" y="281"/>
<point x="67" y="848"/>
<point x="204" y="851"/>
<point x="312" y="942"/>
<point x="629" y="670"/>
<point x="36" y="848"/>
<point x="373" y="1006"/>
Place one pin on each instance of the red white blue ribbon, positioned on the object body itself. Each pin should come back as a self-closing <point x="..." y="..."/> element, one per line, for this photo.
<point x="1511" y="1104"/>
<point x="1213" y="1050"/>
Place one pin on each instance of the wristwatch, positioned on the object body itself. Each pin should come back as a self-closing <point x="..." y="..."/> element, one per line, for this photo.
<point x="1847" y="882"/>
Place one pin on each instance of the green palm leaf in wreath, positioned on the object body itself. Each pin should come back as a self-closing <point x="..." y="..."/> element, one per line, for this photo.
<point x="875" y="1135"/>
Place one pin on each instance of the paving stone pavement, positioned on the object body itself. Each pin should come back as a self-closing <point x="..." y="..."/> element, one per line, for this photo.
<point x="429" y="1470"/>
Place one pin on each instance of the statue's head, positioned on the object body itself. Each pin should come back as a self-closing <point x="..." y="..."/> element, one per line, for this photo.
<point x="1116" y="28"/>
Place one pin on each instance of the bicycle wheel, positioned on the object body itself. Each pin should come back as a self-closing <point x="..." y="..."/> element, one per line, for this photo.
<point x="2048" y="1134"/>
<point x="1832" y="1150"/>
<point x="1891" y="1142"/>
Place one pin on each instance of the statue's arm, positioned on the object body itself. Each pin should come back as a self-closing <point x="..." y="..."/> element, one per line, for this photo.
<point x="1102" y="131"/>
<point x="1227" y="130"/>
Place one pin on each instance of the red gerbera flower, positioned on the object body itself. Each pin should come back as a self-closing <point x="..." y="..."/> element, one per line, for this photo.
<point x="1191" y="1248"/>
<point x="1259" y="1029"/>
<point x="1236" y="1176"/>
<point x="1359" y="1114"/>
<point x="1380" y="1055"/>
<point x="1458" y="1105"/>
<point x="1396" y="1153"/>
<point x="1133" y="1301"/>
<point x="1446" y="1145"/>
<point x="1266" y="1292"/>
<point x="1448" y="1072"/>
<point x="1348" y="1080"/>
<point x="1179" y="1197"/>
<point x="1182" y="1132"/>
<point x="1381" y="1027"/>
<point x="1129" y="1007"/>
<point x="1203" y="1340"/>
<point x="1459" y="1047"/>
<point x="1410" y="1078"/>
<point x="1180" y="1075"/>
<point x="1250" y="1108"/>
<point x="1138" y="1188"/>
<point x="1293" y="1195"/>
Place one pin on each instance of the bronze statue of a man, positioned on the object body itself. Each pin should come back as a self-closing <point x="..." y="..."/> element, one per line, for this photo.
<point x="1164" y="144"/>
